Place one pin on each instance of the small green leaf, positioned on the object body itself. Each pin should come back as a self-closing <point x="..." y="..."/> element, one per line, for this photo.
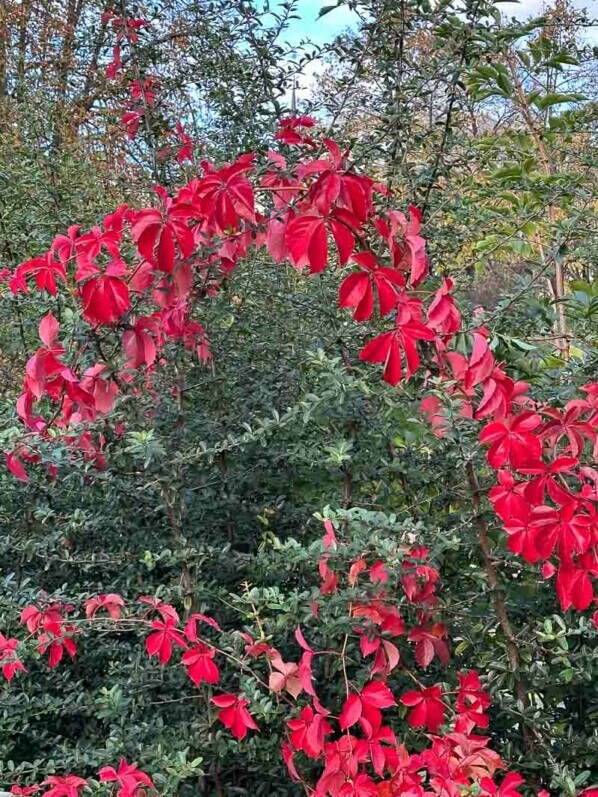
<point x="548" y="100"/>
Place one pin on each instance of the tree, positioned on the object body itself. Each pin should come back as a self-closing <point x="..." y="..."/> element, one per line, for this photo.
<point x="160" y="425"/>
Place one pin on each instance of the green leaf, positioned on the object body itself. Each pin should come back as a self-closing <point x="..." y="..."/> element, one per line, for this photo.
<point x="487" y="243"/>
<point x="576" y="352"/>
<point x="504" y="84"/>
<point x="487" y="72"/>
<point x="563" y="58"/>
<point x="548" y="100"/>
<point x="521" y="344"/>
<point x="522" y="248"/>
<point x="507" y="172"/>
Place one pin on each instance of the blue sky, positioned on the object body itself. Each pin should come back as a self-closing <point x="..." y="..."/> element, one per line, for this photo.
<point x="323" y="30"/>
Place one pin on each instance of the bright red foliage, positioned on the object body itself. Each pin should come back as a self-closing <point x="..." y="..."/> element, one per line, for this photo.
<point x="9" y="658"/>
<point x="161" y="641"/>
<point x="427" y="708"/>
<point x="234" y="715"/>
<point x="199" y="661"/>
<point x="64" y="785"/>
<point x="398" y="349"/>
<point x="111" y="603"/>
<point x="129" y="778"/>
<point x="546" y="496"/>
<point x="357" y="290"/>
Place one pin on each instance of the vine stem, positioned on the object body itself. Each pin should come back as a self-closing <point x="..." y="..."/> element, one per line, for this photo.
<point x="512" y="649"/>
<point x="175" y="526"/>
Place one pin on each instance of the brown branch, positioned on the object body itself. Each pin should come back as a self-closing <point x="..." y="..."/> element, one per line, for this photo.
<point x="175" y="526"/>
<point x="22" y="50"/>
<point x="222" y="461"/>
<point x="348" y="478"/>
<point x="452" y="98"/>
<point x="558" y="288"/>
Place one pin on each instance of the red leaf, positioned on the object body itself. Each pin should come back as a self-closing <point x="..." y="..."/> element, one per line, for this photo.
<point x="139" y="347"/>
<point x="377" y="695"/>
<point x="234" y="715"/>
<point x="356" y="568"/>
<point x="307" y="243"/>
<point x="301" y="640"/>
<point x="105" y="299"/>
<point x="191" y="625"/>
<point x="165" y="251"/>
<point x="48" y="330"/>
<point x="344" y="240"/>
<point x="161" y="641"/>
<point x="351" y="712"/>
<point x="200" y="665"/>
<point x="304" y="673"/>
<point x="111" y="602"/>
<point x="384" y="349"/>
<point x="325" y="191"/>
<point x="15" y="466"/>
<point x="275" y="238"/>
<point x="427" y="709"/>
<point x="289" y="760"/>
<point x="329" y="538"/>
<point x="574" y="588"/>
<point x="128" y="776"/>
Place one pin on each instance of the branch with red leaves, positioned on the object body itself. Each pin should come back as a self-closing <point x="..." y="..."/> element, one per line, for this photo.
<point x="356" y="751"/>
<point x="137" y="282"/>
